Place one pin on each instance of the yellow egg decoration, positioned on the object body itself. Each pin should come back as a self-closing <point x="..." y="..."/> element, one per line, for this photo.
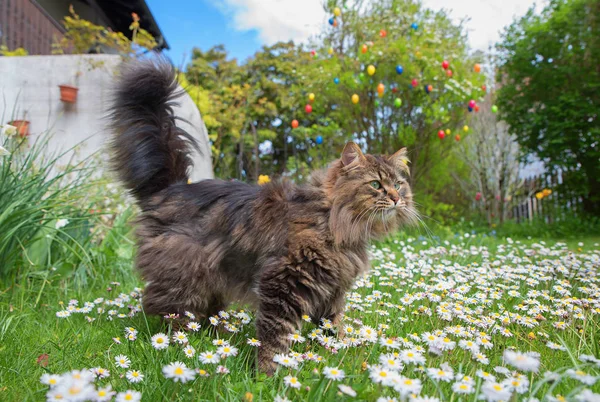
<point x="448" y="131"/>
<point x="330" y="51"/>
<point x="337" y="12"/>
<point x="355" y="99"/>
<point x="466" y="129"/>
<point x="311" y="97"/>
<point x="371" y="69"/>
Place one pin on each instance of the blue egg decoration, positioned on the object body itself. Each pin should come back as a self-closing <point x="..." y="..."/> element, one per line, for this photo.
<point x="319" y="140"/>
<point x="470" y="108"/>
<point x="336" y="80"/>
<point x="331" y="21"/>
<point x="399" y="69"/>
<point x="414" y="25"/>
<point x="426" y="87"/>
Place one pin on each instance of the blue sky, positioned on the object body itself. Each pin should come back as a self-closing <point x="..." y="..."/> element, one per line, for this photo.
<point x="189" y="23"/>
<point x="243" y="26"/>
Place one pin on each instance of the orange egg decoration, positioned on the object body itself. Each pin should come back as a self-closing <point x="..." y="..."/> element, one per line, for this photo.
<point x="429" y="88"/>
<point x="380" y="89"/>
<point x="335" y="23"/>
<point x="295" y="123"/>
<point x="383" y="33"/>
<point x="364" y="49"/>
<point x="457" y="137"/>
<point x="477" y="68"/>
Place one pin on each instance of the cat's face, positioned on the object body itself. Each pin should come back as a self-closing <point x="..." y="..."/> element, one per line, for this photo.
<point x="372" y="192"/>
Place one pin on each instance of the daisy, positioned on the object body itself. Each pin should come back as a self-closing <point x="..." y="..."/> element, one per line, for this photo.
<point x="193" y="326"/>
<point x="485" y="375"/>
<point x="160" y="341"/>
<point x="134" y="376"/>
<point x="332" y="373"/>
<point x="493" y="391"/>
<point x="389" y="343"/>
<point x="581" y="376"/>
<point x="180" y="337"/>
<point x="292" y="381"/>
<point x="407" y="386"/>
<point x="412" y="356"/>
<point x="281" y="399"/>
<point x="209" y="358"/>
<point x="382" y="375"/>
<point x="386" y="399"/>
<point x="440" y="374"/>
<point x="189" y="351"/>
<point x="50" y="379"/>
<point x="345" y="389"/>
<point x="227" y="350"/>
<point x="253" y="342"/>
<point x="285" y="360"/>
<point x="178" y="372"/>
<point x="222" y="370"/>
<point x="523" y="361"/>
<point x="391" y="362"/>
<point x="122" y="361"/>
<point x="129" y="396"/>
<point x="481" y="358"/>
<point x="100" y="372"/>
<point x="74" y="390"/>
<point x="104" y="394"/>
<point x="296" y="338"/>
<point x="220" y="342"/>
<point x="462" y="388"/>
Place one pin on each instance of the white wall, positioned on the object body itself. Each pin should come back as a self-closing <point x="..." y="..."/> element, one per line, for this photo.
<point x="29" y="90"/>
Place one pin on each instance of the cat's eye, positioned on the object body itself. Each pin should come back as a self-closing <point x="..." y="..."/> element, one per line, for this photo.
<point x="397" y="186"/>
<point x="375" y="184"/>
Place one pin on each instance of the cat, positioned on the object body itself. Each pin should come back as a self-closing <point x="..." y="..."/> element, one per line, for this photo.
<point x="286" y="249"/>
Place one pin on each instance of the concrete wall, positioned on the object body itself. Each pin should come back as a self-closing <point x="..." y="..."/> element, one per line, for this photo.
<point x="29" y="90"/>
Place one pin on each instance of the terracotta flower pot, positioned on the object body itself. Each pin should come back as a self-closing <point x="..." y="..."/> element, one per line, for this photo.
<point x="68" y="93"/>
<point x="22" y="127"/>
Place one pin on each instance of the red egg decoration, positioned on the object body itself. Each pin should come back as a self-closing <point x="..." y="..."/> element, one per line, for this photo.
<point x="477" y="196"/>
<point x="449" y="73"/>
<point x="383" y="33"/>
<point x="313" y="52"/>
<point x="445" y="64"/>
<point x="308" y="108"/>
<point x="394" y="89"/>
<point x="477" y="108"/>
<point x="457" y="137"/>
<point x="364" y="49"/>
<point x="414" y="82"/>
<point x="484" y="88"/>
<point x="295" y="123"/>
<point x="472" y="104"/>
<point x="441" y="134"/>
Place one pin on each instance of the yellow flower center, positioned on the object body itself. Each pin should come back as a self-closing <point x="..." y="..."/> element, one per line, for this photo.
<point x="179" y="371"/>
<point x="408" y="382"/>
<point x="383" y="374"/>
<point x="102" y="393"/>
<point x="128" y="397"/>
<point x="463" y="386"/>
<point x="74" y="390"/>
<point x="497" y="387"/>
<point x="159" y="340"/>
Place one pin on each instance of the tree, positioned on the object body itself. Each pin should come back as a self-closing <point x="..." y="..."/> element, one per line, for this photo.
<point x="550" y="90"/>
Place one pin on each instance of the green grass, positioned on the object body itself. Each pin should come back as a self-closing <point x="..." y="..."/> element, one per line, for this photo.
<point x="30" y="329"/>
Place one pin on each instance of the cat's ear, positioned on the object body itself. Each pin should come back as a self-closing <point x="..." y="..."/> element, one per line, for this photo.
<point x="400" y="160"/>
<point x="351" y="153"/>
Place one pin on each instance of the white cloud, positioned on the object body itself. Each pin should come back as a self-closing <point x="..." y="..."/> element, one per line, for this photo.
<point x="298" y="20"/>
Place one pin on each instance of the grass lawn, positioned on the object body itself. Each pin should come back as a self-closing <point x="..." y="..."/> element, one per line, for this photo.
<point x="429" y="319"/>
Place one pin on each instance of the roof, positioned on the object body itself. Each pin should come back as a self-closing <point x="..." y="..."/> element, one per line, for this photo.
<point x="119" y="13"/>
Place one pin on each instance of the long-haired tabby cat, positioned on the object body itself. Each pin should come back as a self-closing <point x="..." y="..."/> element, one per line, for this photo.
<point x="287" y="249"/>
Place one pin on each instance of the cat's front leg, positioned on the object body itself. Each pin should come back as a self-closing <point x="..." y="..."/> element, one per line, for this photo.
<point x="337" y="308"/>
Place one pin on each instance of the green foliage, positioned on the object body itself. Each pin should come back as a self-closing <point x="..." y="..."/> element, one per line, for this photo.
<point x="83" y="36"/>
<point x="4" y="51"/>
<point x="550" y="90"/>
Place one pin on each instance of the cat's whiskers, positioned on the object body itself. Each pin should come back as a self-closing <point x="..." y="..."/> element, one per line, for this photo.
<point x="355" y="222"/>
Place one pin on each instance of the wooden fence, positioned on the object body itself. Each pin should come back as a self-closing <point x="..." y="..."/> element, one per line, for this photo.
<point x="544" y="197"/>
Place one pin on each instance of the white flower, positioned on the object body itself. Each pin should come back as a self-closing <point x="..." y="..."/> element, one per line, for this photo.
<point x="291" y="381"/>
<point x="407" y="386"/>
<point x="227" y="350"/>
<point x="193" y="326"/>
<point x="134" y="376"/>
<point x="333" y="373"/>
<point x="386" y="399"/>
<point x="281" y="399"/>
<point x="61" y="223"/>
<point x="9" y="130"/>
<point x="523" y="361"/>
<point x="391" y="362"/>
<point x="345" y="389"/>
<point x="253" y="342"/>
<point x="100" y="372"/>
<point x="160" y="341"/>
<point x="440" y="374"/>
<point x="296" y="338"/>
<point x="389" y="343"/>
<point x="74" y="390"/>
<point x="581" y="376"/>
<point x="285" y="360"/>
<point x="493" y="391"/>
<point x="587" y="396"/>
<point x="104" y="394"/>
<point x="179" y="372"/>
<point x="189" y="351"/>
<point x="209" y="358"/>
<point x="122" y="361"/>
<point x="382" y="375"/>
<point x="4" y="151"/>
<point x="129" y="396"/>
<point x="412" y="356"/>
<point x="63" y="314"/>
<point x="51" y="380"/>
<point x="222" y="370"/>
<point x="462" y="387"/>
<point x="180" y="337"/>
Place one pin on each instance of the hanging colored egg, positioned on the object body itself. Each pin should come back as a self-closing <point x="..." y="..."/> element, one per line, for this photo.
<point x="429" y="88"/>
<point x="308" y="108"/>
<point x="311" y="97"/>
<point x="335" y="23"/>
<point x="330" y="51"/>
<point x="484" y="88"/>
<point x="477" y="108"/>
<point x="364" y="49"/>
<point x="472" y="103"/>
<point x="383" y="33"/>
<point x="477" y="196"/>
<point x="470" y="108"/>
<point x="476" y="67"/>
<point x="414" y="82"/>
<point x="319" y="140"/>
<point x="418" y="54"/>
<point x="457" y="137"/>
<point x="380" y="88"/>
<point x="377" y="103"/>
<point x="445" y="64"/>
<point x="295" y="123"/>
<point x="466" y="129"/>
<point x="449" y="73"/>
<point x="494" y="109"/>
<point x="441" y="134"/>
<point x="316" y="55"/>
<point x="313" y="52"/>
<point x="361" y="76"/>
<point x="336" y="80"/>
<point x="331" y="20"/>
<point x="426" y="88"/>
<point x="371" y="69"/>
<point x="337" y="12"/>
<point x="394" y="89"/>
<point x="397" y="102"/>
<point x="399" y="69"/>
<point x="355" y="99"/>
<point x="414" y="25"/>
<point x="448" y="131"/>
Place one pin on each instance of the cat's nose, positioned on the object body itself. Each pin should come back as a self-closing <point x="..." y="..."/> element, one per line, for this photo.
<point x="395" y="197"/>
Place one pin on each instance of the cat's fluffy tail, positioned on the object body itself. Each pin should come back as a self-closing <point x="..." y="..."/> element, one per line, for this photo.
<point x="149" y="151"/>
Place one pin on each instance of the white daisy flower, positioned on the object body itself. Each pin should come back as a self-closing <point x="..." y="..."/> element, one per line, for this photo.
<point x="345" y="389"/>
<point x="408" y="386"/>
<point x="391" y="362"/>
<point x="253" y="342"/>
<point x="285" y="360"/>
<point x="189" y="351"/>
<point x="129" y="396"/>
<point x="180" y="337"/>
<point x="523" y="361"/>
<point x="100" y="372"/>
<point x="193" y="326"/>
<point x="50" y="379"/>
<point x="134" y="376"/>
<point x="493" y="391"/>
<point x="160" y="341"/>
<point x="581" y="376"/>
<point x="179" y="372"/>
<point x="462" y="387"/>
<point x="382" y="375"/>
<point x="332" y="373"/>
<point x="104" y="394"/>
<point x="122" y="361"/>
<point x="292" y="381"/>
<point x="296" y="338"/>
<point x="209" y="358"/>
<point x="227" y="350"/>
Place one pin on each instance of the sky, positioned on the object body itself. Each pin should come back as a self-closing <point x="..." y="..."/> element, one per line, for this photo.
<point x="243" y="26"/>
